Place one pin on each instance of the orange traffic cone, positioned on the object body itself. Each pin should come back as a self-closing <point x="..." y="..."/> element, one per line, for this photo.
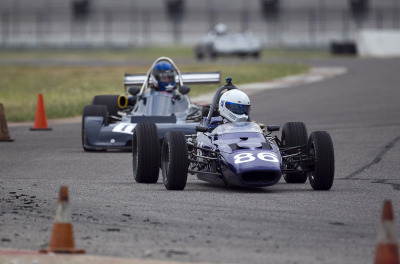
<point x="4" y="134"/>
<point x="40" y="117"/>
<point x="62" y="237"/>
<point x="387" y="248"/>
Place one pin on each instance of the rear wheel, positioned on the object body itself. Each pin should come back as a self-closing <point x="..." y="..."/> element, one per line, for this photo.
<point x="294" y="134"/>
<point x="256" y="55"/>
<point x="111" y="101"/>
<point x="322" y="170"/>
<point x="92" y="110"/>
<point x="145" y="153"/>
<point x="199" y="53"/>
<point x="175" y="161"/>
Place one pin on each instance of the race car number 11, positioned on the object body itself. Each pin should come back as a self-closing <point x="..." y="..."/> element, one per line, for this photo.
<point x="247" y="157"/>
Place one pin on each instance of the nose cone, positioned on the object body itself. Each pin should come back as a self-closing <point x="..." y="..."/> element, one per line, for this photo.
<point x="252" y="168"/>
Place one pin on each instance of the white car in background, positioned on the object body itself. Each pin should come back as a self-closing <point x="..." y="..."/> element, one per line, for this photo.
<point x="219" y="41"/>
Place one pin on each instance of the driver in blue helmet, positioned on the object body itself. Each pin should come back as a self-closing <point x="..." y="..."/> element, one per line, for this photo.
<point x="163" y="77"/>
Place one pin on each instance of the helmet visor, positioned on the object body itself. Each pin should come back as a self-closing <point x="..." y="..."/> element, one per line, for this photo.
<point x="238" y="109"/>
<point x="167" y="77"/>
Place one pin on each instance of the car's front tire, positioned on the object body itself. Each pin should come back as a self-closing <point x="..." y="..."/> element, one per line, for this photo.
<point x="322" y="170"/>
<point x="294" y="134"/>
<point x="145" y="153"/>
<point x="174" y="160"/>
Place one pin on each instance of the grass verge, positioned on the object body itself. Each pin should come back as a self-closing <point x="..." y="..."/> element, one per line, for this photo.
<point x="175" y="52"/>
<point x="67" y="89"/>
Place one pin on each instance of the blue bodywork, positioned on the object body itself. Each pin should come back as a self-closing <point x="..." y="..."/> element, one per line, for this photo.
<point x="244" y="157"/>
<point x="166" y="110"/>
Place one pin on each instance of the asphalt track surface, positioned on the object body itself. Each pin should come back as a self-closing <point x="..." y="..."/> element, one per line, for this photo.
<point x="286" y="223"/>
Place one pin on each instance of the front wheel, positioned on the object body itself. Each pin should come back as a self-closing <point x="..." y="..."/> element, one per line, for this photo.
<point x="322" y="169"/>
<point x="294" y="134"/>
<point x="175" y="161"/>
<point x="145" y="153"/>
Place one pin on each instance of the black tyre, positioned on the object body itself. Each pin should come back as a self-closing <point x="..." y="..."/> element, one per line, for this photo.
<point x="199" y="56"/>
<point x="213" y="54"/>
<point x="294" y="134"/>
<point x="111" y="101"/>
<point x="145" y="153"/>
<point x="175" y="163"/>
<point x="92" y="110"/>
<point x="320" y="149"/>
<point x="256" y="55"/>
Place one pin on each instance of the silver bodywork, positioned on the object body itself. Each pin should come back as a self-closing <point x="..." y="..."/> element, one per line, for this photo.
<point x="169" y="111"/>
<point x="219" y="42"/>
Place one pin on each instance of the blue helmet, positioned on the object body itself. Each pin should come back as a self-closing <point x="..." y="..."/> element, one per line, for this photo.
<point x="163" y="76"/>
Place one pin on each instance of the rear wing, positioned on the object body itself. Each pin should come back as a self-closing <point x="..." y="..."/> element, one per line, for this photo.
<point x="187" y="78"/>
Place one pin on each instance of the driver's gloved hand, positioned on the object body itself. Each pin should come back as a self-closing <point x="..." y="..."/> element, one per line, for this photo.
<point x="177" y="97"/>
<point x="261" y="125"/>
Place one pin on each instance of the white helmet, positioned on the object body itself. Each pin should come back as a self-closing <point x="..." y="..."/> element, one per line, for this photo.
<point x="220" y="29"/>
<point x="234" y="105"/>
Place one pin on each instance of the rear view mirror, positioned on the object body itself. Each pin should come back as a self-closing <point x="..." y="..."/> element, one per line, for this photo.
<point x="201" y="129"/>
<point x="184" y="89"/>
<point x="133" y="90"/>
<point x="273" y="128"/>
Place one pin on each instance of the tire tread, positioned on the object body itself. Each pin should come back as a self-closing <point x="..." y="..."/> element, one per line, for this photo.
<point x="295" y="134"/>
<point x="325" y="164"/>
<point x="148" y="153"/>
<point x="178" y="160"/>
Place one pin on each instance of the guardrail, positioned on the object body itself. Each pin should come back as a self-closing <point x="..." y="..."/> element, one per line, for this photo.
<point x="139" y="27"/>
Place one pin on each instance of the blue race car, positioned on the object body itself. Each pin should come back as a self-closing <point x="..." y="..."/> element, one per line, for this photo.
<point x="238" y="154"/>
<point x="109" y="121"/>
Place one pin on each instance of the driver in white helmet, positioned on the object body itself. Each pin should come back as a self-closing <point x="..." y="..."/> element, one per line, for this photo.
<point x="234" y="106"/>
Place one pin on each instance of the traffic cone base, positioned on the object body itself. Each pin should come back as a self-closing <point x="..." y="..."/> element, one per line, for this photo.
<point x="4" y="134"/>
<point x="387" y="254"/>
<point x="387" y="249"/>
<point x="39" y="129"/>
<point x="40" y="117"/>
<point x="62" y="238"/>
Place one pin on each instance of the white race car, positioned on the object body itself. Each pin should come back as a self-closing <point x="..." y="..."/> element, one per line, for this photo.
<point x="221" y="42"/>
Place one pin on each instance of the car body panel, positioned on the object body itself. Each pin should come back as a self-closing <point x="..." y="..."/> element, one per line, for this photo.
<point x="245" y="157"/>
<point x="169" y="111"/>
<point x="217" y="43"/>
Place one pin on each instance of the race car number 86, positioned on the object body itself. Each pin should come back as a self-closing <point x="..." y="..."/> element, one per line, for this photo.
<point x="247" y="157"/>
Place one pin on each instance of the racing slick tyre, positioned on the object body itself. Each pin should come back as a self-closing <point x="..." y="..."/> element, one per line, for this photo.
<point x="174" y="160"/>
<point x="294" y="134"/>
<point x="92" y="110"/>
<point x="145" y="153"/>
<point x="322" y="169"/>
<point x="111" y="101"/>
<point x="256" y="55"/>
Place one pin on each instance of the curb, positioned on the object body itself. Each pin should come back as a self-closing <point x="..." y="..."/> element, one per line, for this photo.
<point x="314" y="75"/>
<point x="12" y="256"/>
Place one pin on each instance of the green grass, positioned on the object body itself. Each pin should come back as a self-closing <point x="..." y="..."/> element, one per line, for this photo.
<point x="175" y="52"/>
<point x="66" y="90"/>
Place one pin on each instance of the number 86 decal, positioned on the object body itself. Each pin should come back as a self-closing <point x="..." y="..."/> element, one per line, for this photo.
<point x="247" y="157"/>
